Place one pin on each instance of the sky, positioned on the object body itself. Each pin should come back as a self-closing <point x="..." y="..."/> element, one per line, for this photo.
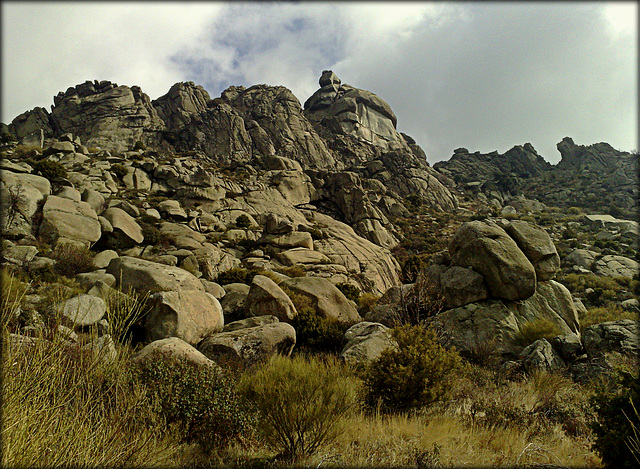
<point x="479" y="75"/>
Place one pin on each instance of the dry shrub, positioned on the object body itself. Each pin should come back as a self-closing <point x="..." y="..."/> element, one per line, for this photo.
<point x="537" y="329"/>
<point x="301" y="401"/>
<point x="72" y="259"/>
<point x="11" y="302"/>
<point x="425" y="299"/>
<point x="63" y="407"/>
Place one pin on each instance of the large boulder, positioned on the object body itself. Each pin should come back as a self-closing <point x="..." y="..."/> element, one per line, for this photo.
<point x="267" y="298"/>
<point x="248" y="346"/>
<point x="461" y="286"/>
<point x="365" y="342"/>
<point x="126" y="231"/>
<point x="616" y="266"/>
<point x="20" y="195"/>
<point x="540" y="355"/>
<point x="497" y="323"/>
<point x="536" y="244"/>
<point x="190" y="316"/>
<point x="172" y="348"/>
<point x="328" y="301"/>
<point x="234" y="300"/>
<point x="144" y="275"/>
<point x="82" y="310"/>
<point x="489" y="250"/>
<point x="65" y="219"/>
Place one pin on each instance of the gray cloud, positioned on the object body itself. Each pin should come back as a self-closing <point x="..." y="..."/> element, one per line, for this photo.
<point x="479" y="75"/>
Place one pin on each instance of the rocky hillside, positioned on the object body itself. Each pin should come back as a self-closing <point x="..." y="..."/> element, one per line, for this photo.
<point x="242" y="198"/>
<point x="586" y="177"/>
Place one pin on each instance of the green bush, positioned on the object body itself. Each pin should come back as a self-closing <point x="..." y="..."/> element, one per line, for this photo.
<point x="12" y="300"/>
<point x="50" y="169"/>
<point x="235" y="275"/>
<point x="351" y="292"/>
<point x="293" y="271"/>
<point x="139" y="146"/>
<point x="301" y="402"/>
<point x="26" y="151"/>
<point x="411" y="268"/>
<point x="617" y="423"/>
<point x="72" y="260"/>
<point x="119" y="170"/>
<point x="414" y="374"/>
<point x="537" y="329"/>
<point x="243" y="221"/>
<point x="200" y="400"/>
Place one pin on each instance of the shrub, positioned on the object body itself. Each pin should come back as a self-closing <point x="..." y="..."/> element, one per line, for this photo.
<point x="301" y="402"/>
<point x="425" y="299"/>
<point x="72" y="259"/>
<point x="243" y="221"/>
<point x="124" y="313"/>
<point x="50" y="169"/>
<point x="617" y="422"/>
<point x="366" y="301"/>
<point x="410" y="269"/>
<point x="293" y="271"/>
<point x="351" y="292"/>
<point x="119" y="170"/>
<point x="536" y="329"/>
<point x="412" y="375"/>
<point x="200" y="400"/>
<point x="26" y="151"/>
<point x="235" y="275"/>
<point x="139" y="145"/>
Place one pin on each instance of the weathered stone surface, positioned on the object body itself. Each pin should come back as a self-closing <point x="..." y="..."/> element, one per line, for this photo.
<point x="328" y="301"/>
<point x="83" y="310"/>
<point x="616" y="266"/>
<point x="101" y="260"/>
<point x="190" y="316"/>
<point x="234" y="300"/>
<point x="102" y="348"/>
<point x="462" y="286"/>
<point x="536" y="244"/>
<point x="489" y="250"/>
<point x="88" y="279"/>
<point x="582" y="257"/>
<point x="296" y="239"/>
<point x="365" y="342"/>
<point x="568" y="346"/>
<point x="19" y="255"/>
<point x="150" y="276"/>
<point x="250" y="322"/>
<point x="540" y="355"/>
<point x="250" y="345"/>
<point x="615" y="336"/>
<point x="267" y="298"/>
<point x="298" y="256"/>
<point x="498" y="323"/>
<point x="70" y="193"/>
<point x="126" y="231"/>
<point x="172" y="348"/>
<point x="67" y="219"/>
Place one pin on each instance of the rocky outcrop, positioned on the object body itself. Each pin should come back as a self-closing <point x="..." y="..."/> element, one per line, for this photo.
<point x="148" y="276"/>
<point x="68" y="220"/>
<point x="106" y="115"/>
<point x="365" y="342"/>
<point x="489" y="250"/>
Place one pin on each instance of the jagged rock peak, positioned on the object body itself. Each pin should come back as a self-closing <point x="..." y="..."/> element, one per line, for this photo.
<point x="329" y="78"/>
<point x="597" y="156"/>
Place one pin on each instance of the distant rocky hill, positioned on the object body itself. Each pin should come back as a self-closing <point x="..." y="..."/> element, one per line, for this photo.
<point x="595" y="177"/>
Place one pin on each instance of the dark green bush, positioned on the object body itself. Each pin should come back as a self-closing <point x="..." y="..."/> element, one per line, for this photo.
<point x="139" y="146"/>
<point x="119" y="170"/>
<point x="243" y="221"/>
<point x="413" y="375"/>
<point x="617" y="423"/>
<point x="411" y="268"/>
<point x="235" y="275"/>
<point x="72" y="260"/>
<point x="50" y="169"/>
<point x="316" y="334"/>
<point x="350" y="291"/>
<point x="201" y="400"/>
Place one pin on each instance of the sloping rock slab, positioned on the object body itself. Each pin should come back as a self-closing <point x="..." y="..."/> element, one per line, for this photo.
<point x="150" y="276"/>
<point x="251" y="345"/>
<point x="328" y="301"/>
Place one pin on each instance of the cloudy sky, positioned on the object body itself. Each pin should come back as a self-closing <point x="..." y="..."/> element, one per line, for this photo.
<point x="484" y="76"/>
